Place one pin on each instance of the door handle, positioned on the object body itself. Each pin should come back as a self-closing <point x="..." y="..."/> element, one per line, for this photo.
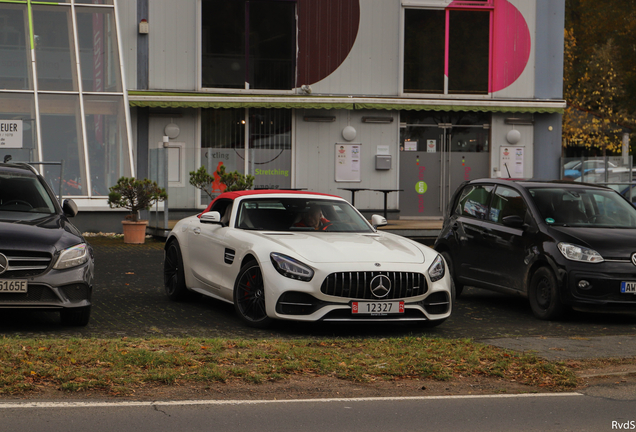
<point x="197" y="231"/>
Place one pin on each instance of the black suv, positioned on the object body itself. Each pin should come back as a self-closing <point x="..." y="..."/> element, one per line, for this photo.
<point x="45" y="263"/>
<point x="560" y="244"/>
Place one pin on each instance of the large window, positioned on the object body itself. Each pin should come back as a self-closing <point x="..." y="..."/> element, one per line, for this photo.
<point x="447" y="51"/>
<point x="266" y="154"/>
<point x="249" y="44"/>
<point x="69" y="108"/>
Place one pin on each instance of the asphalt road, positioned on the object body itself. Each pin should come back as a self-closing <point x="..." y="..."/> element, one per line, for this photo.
<point x="129" y="301"/>
<point x="555" y="412"/>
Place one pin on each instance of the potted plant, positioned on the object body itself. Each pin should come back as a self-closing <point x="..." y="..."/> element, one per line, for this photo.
<point x="135" y="195"/>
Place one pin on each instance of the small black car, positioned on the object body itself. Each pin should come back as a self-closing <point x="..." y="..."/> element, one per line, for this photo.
<point x="560" y="244"/>
<point x="45" y="263"/>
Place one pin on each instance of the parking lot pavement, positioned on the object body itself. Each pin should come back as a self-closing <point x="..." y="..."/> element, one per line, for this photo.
<point x="129" y="301"/>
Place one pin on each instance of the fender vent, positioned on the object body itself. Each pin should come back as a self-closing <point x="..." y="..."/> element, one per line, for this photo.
<point x="229" y="256"/>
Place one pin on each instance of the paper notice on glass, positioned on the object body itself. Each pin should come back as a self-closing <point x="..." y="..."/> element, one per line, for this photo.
<point x="11" y="134"/>
<point x="431" y="146"/>
<point x="410" y="145"/>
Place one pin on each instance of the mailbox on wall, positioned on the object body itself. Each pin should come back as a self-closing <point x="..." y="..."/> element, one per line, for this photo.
<point x="383" y="162"/>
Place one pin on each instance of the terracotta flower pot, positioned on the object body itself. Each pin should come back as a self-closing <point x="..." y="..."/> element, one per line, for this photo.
<point x="134" y="232"/>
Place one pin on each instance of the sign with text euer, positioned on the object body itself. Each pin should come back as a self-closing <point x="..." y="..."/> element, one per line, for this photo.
<point x="10" y="134"/>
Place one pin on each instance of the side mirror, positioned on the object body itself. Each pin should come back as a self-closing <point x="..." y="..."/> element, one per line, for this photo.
<point x="69" y="208"/>
<point x="213" y="217"/>
<point x="513" y="221"/>
<point x="378" y="221"/>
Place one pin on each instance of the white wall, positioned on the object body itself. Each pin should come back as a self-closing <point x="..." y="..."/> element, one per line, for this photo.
<point x="315" y="155"/>
<point x="372" y="66"/>
<point x="499" y="131"/>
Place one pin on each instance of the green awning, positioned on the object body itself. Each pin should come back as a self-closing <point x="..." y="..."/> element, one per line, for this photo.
<point x="152" y="99"/>
<point x="241" y="104"/>
<point x="463" y="108"/>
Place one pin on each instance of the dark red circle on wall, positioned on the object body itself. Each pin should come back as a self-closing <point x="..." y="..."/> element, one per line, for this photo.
<point x="327" y="30"/>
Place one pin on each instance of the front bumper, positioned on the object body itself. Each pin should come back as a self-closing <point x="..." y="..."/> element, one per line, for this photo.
<point x="597" y="287"/>
<point x="289" y="299"/>
<point x="54" y="289"/>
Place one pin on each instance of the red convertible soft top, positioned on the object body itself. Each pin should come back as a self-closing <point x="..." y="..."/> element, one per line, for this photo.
<point x="237" y="194"/>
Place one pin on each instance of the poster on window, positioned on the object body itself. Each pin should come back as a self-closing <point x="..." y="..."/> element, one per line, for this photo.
<point x="10" y="134"/>
<point x="348" y="162"/>
<point x="511" y="162"/>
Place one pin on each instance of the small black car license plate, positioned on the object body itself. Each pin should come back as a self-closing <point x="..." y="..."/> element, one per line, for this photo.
<point x="13" y="286"/>
<point x="628" y="287"/>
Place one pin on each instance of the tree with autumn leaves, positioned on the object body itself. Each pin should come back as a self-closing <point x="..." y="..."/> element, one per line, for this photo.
<point x="599" y="81"/>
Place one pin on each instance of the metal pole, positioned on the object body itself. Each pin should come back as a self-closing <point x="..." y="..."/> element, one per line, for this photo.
<point x="61" y="178"/>
<point x="165" y="181"/>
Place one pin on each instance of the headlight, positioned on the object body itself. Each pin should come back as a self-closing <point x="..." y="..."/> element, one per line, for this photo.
<point x="72" y="257"/>
<point x="291" y="268"/>
<point x="437" y="270"/>
<point x="579" y="253"/>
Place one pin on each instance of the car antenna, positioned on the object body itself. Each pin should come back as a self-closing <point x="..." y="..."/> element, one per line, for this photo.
<point x="506" y="165"/>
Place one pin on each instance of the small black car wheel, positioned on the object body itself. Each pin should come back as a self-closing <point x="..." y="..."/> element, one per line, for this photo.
<point x="544" y="295"/>
<point x="173" y="275"/>
<point x="459" y="287"/>
<point x="249" y="296"/>
<point x="76" y="317"/>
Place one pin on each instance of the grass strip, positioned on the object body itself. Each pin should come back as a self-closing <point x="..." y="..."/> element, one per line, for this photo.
<point x="118" y="366"/>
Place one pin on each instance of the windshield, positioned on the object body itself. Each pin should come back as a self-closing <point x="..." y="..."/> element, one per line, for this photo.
<point x="299" y="214"/>
<point x="24" y="193"/>
<point x="584" y="207"/>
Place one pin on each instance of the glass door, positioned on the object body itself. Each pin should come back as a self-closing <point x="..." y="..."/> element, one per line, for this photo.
<point x="436" y="158"/>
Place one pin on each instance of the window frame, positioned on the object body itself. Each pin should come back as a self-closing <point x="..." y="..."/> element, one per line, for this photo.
<point x="485" y="5"/>
<point x="249" y="90"/>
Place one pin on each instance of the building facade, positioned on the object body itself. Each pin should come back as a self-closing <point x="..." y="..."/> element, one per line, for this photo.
<point x="409" y="96"/>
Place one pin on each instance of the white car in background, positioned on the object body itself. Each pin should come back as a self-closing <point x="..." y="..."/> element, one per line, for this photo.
<point x="252" y="249"/>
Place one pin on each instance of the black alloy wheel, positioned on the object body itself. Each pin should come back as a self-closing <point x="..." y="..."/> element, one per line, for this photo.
<point x="173" y="275"/>
<point x="543" y="294"/>
<point x="249" y="296"/>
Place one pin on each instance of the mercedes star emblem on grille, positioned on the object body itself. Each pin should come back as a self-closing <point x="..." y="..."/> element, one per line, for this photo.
<point x="4" y="263"/>
<point x="380" y="286"/>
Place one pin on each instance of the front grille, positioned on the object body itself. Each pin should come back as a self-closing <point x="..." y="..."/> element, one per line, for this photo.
<point x="356" y="285"/>
<point x="35" y="294"/>
<point x="26" y="263"/>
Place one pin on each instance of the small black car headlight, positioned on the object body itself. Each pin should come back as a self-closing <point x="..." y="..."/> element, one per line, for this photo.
<point x="580" y="253"/>
<point x="437" y="270"/>
<point x="291" y="268"/>
<point x="72" y="257"/>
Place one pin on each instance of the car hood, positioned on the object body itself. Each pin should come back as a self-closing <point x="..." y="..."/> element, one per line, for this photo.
<point x="49" y="234"/>
<point x="323" y="247"/>
<point x="609" y="242"/>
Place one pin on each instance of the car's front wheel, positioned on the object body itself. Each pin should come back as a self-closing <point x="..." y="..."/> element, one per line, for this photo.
<point x="459" y="287"/>
<point x="76" y="317"/>
<point x="249" y="296"/>
<point x="543" y="294"/>
<point x="173" y="274"/>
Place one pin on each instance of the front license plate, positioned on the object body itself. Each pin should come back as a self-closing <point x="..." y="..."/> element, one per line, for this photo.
<point x="628" y="287"/>
<point x="13" y="286"/>
<point x="377" y="308"/>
